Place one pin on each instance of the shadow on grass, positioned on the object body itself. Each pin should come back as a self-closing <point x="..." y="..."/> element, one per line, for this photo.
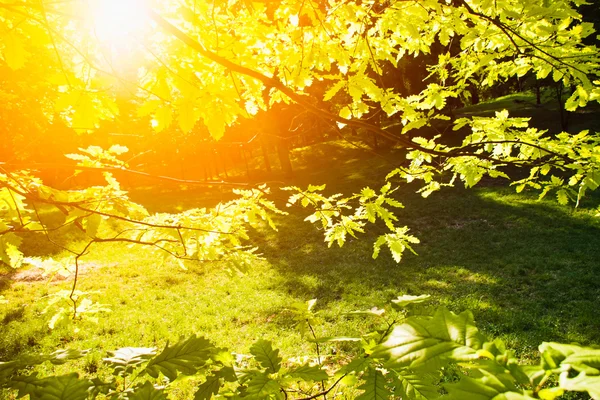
<point x="543" y="116"/>
<point x="527" y="270"/>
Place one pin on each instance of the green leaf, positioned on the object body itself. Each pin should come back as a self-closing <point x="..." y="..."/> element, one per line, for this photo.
<point x="28" y="360"/>
<point x="92" y="224"/>
<point x="488" y="387"/>
<point x="101" y="387"/>
<point x="147" y="392"/>
<point x="25" y="384"/>
<point x="9" y="250"/>
<point x="562" y="197"/>
<point x="550" y="393"/>
<point x="553" y="354"/>
<point x="579" y="98"/>
<point x="581" y="383"/>
<point x="397" y="242"/>
<point x="535" y="373"/>
<point x="359" y="364"/>
<point x="268" y="358"/>
<point x="308" y="373"/>
<point x="377" y="312"/>
<point x="60" y="357"/>
<point x="374" y="386"/>
<point x="581" y="359"/>
<point x="260" y="387"/>
<point x="6" y="370"/>
<point x="431" y="342"/>
<point x="208" y="389"/>
<point x="14" y="255"/>
<point x="415" y="386"/>
<point x="65" y="387"/>
<point x="126" y="359"/>
<point x="403" y="301"/>
<point x="186" y="357"/>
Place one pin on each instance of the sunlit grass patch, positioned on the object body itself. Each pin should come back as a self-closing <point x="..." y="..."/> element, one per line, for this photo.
<point x="526" y="268"/>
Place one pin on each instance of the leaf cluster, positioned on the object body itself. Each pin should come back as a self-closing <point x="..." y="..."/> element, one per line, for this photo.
<point x="406" y="358"/>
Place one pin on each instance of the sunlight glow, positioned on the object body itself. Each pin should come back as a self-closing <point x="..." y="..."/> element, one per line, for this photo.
<point x="116" y="21"/>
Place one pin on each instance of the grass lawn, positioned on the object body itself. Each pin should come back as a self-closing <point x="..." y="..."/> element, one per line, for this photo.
<point x="543" y="116"/>
<point x="527" y="269"/>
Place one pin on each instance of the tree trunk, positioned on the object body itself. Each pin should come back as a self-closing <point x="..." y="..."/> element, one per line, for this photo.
<point x="245" y="161"/>
<point x="474" y="94"/>
<point x="265" y="152"/>
<point x="564" y="114"/>
<point x="284" y="156"/>
<point x="222" y="156"/>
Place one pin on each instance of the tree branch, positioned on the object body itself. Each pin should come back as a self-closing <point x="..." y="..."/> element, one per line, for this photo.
<point x="272" y="82"/>
<point x="507" y="30"/>
<point x="325" y="392"/>
<point x="121" y="169"/>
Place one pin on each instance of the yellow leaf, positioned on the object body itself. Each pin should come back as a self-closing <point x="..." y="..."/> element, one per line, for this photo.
<point x="85" y="116"/>
<point x="161" y="88"/>
<point x="66" y="100"/>
<point x="345" y="113"/>
<point x="162" y="118"/>
<point x="14" y="53"/>
<point x="14" y="255"/>
<point x="550" y="393"/>
<point x="215" y="124"/>
<point x="187" y="116"/>
<point x="148" y="108"/>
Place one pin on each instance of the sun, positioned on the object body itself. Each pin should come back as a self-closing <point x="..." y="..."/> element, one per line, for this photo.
<point x="116" y="22"/>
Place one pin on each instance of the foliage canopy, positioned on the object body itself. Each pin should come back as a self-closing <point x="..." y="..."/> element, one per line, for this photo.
<point x="184" y="65"/>
<point x="188" y="65"/>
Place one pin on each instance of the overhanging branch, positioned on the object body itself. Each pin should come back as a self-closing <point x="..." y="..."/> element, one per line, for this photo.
<point x="38" y="166"/>
<point x="272" y="82"/>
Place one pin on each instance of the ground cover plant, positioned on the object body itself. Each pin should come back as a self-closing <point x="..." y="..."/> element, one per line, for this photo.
<point x="78" y="76"/>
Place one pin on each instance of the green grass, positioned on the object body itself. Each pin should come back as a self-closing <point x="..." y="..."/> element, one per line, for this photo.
<point x="527" y="269"/>
<point x="543" y="116"/>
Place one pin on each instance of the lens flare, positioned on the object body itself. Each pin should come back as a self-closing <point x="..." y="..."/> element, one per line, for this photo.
<point x="117" y="21"/>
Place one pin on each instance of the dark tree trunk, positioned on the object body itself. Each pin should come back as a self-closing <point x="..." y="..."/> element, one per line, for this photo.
<point x="265" y="152"/>
<point x="564" y="114"/>
<point x="474" y="94"/>
<point x="284" y="156"/>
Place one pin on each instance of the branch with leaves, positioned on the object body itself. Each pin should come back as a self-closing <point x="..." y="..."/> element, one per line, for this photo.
<point x="105" y="214"/>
